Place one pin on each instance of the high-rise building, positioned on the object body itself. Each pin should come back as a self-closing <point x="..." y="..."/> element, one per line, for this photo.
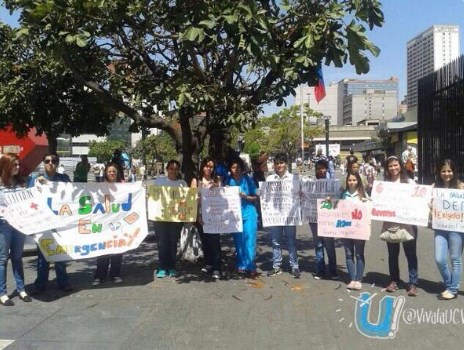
<point x="427" y="52"/>
<point x="328" y="106"/>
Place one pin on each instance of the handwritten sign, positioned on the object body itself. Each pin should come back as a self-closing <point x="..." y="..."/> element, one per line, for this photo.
<point x="99" y="219"/>
<point x="312" y="191"/>
<point x="28" y="203"/>
<point x="173" y="204"/>
<point x="221" y="209"/>
<point x="448" y="209"/>
<point x="280" y="203"/>
<point x="400" y="202"/>
<point x="344" y="219"/>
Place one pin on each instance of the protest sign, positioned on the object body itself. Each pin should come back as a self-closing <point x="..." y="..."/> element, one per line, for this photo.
<point x="448" y="209"/>
<point x="173" y="204"/>
<point x="280" y="203"/>
<point x="312" y="191"/>
<point x="221" y="209"/>
<point x="344" y="219"/>
<point x="101" y="219"/>
<point x="27" y="211"/>
<point x="402" y="203"/>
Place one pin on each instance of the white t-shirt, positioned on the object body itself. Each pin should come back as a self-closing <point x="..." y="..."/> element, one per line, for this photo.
<point x="164" y="181"/>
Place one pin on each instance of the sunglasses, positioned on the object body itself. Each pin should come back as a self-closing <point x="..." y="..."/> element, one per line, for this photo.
<point x="48" y="161"/>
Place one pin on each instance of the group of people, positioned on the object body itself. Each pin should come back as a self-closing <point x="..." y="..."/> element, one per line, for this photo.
<point x="12" y="241"/>
<point x="448" y="245"/>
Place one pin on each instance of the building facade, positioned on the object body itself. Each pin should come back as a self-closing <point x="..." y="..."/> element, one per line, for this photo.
<point x="427" y="52"/>
<point x="328" y="106"/>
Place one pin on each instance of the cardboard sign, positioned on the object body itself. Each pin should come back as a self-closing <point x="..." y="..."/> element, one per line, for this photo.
<point x="221" y="209"/>
<point x="448" y="209"/>
<point x="344" y="219"/>
<point x="280" y="203"/>
<point x="400" y="202"/>
<point x="173" y="204"/>
<point x="312" y="191"/>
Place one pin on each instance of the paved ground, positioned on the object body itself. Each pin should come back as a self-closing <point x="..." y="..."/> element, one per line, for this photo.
<point x="195" y="312"/>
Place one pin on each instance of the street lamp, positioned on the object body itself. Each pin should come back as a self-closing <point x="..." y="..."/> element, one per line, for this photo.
<point x="327" y="125"/>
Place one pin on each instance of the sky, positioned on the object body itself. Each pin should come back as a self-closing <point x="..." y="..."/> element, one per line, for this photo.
<point x="404" y="19"/>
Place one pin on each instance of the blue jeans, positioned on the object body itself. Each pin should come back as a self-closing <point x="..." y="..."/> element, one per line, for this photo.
<point x="43" y="271"/>
<point x="354" y="248"/>
<point x="290" y="236"/>
<point x="11" y="246"/>
<point x="447" y="241"/>
<point x="319" y="244"/>
<point x="411" y="256"/>
<point x="245" y="244"/>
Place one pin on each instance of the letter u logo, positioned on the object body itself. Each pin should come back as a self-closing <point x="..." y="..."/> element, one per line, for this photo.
<point x="387" y="320"/>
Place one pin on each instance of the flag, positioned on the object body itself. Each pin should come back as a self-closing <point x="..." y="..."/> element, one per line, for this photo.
<point x="319" y="89"/>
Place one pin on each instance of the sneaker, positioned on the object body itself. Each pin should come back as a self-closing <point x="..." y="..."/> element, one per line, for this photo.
<point x="207" y="269"/>
<point x="216" y="275"/>
<point x="96" y="282"/>
<point x="319" y="276"/>
<point x="392" y="287"/>
<point x="161" y="274"/>
<point x="296" y="272"/>
<point x="357" y="285"/>
<point x="351" y="285"/>
<point x="172" y="273"/>
<point x="335" y="277"/>
<point x="412" y="290"/>
<point x="274" y="272"/>
<point x="117" y="280"/>
<point x="447" y="295"/>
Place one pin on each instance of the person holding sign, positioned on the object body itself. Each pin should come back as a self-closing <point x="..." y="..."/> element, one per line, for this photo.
<point x="321" y="243"/>
<point x="245" y="241"/>
<point x="354" y="247"/>
<point x="51" y="161"/>
<point x="282" y="174"/>
<point x="448" y="244"/>
<point x="168" y="233"/>
<point x="11" y="240"/>
<point x="395" y="172"/>
<point x="111" y="175"/>
<point x="210" y="242"/>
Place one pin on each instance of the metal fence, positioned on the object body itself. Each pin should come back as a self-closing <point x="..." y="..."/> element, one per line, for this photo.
<point x="441" y="119"/>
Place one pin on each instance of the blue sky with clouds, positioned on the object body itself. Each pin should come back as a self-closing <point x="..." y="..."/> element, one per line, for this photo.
<point x="404" y="19"/>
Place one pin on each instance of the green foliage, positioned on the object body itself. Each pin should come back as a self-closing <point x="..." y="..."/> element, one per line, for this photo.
<point x="159" y="147"/>
<point x="104" y="150"/>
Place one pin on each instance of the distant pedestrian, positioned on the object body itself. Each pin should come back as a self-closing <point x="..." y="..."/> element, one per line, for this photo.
<point x="82" y="170"/>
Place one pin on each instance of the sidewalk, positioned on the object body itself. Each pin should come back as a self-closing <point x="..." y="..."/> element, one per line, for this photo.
<point x="194" y="311"/>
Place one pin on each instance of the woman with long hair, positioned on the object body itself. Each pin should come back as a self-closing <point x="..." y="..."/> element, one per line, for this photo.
<point x="210" y="242"/>
<point x="448" y="244"/>
<point x="111" y="174"/>
<point x="11" y="240"/>
<point x="245" y="241"/>
<point x="395" y="172"/>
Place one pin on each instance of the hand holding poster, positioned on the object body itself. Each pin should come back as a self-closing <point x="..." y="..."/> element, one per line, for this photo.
<point x="101" y="219"/>
<point x="280" y="203"/>
<point x="401" y="202"/>
<point x="173" y="204"/>
<point x="31" y="204"/>
<point x="314" y="189"/>
<point x="221" y="209"/>
<point x="448" y="209"/>
<point x="344" y="219"/>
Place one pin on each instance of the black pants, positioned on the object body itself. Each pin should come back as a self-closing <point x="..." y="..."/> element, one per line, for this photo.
<point x="103" y="263"/>
<point x="167" y="235"/>
<point x="211" y="244"/>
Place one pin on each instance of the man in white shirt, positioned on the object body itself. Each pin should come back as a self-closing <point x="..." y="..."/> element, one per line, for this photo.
<point x="282" y="174"/>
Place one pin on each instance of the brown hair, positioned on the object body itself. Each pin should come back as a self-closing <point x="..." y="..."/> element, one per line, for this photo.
<point x="7" y="161"/>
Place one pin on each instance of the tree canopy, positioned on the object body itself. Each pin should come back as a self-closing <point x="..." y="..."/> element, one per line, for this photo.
<point x="194" y="67"/>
